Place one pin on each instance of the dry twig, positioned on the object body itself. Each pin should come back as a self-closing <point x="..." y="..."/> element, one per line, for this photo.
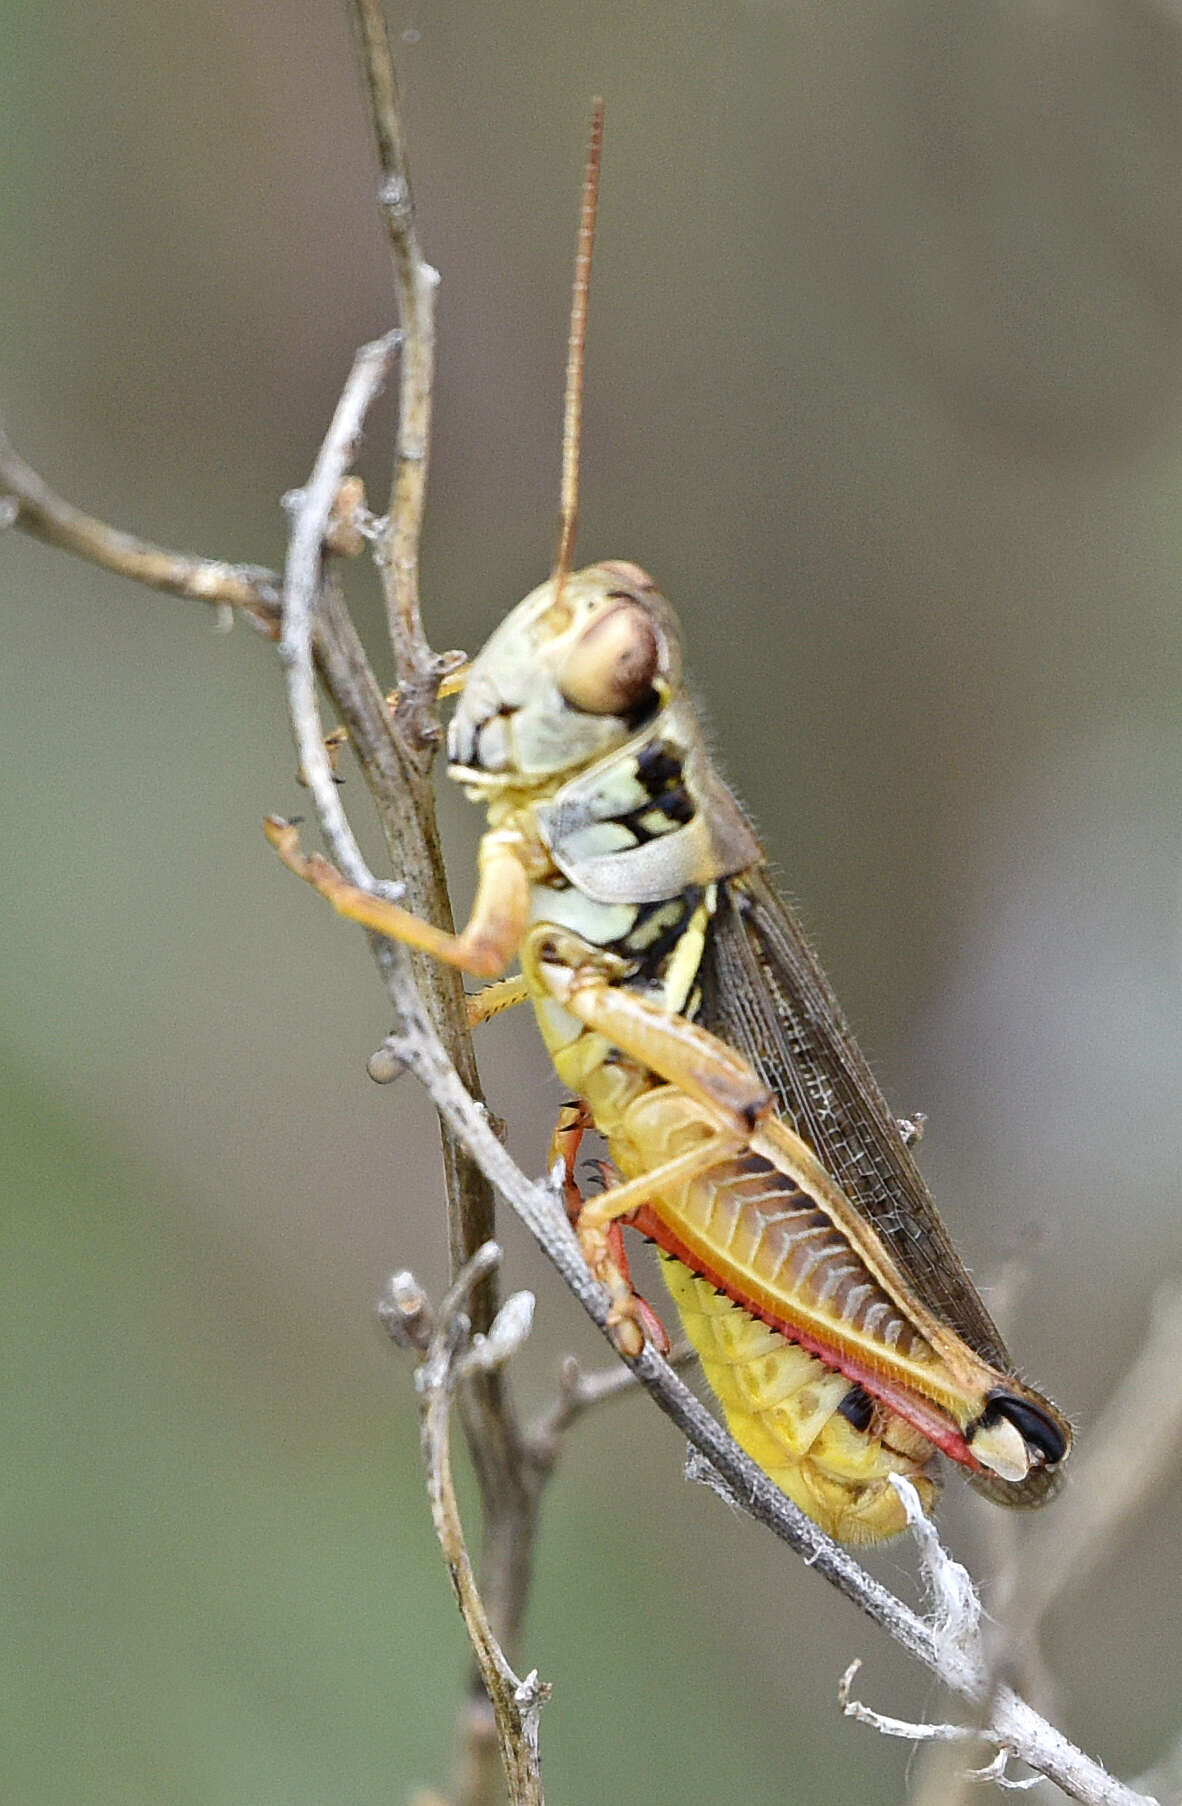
<point x="509" y="1498"/>
<point x="956" y="1622"/>
<point x="578" y="1393"/>
<point x="29" y="503"/>
<point x="415" y="283"/>
<point x="448" y="1352"/>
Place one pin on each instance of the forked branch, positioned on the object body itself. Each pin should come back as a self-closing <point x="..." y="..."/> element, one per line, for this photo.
<point x="449" y="1353"/>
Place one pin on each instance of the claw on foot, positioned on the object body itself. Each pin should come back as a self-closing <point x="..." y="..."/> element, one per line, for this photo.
<point x="626" y="1334"/>
<point x="604" y="1254"/>
<point x="574" y="1120"/>
<point x="356" y="905"/>
<point x="284" y="836"/>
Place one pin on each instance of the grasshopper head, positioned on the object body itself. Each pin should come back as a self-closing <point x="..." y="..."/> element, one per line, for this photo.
<point x="569" y="675"/>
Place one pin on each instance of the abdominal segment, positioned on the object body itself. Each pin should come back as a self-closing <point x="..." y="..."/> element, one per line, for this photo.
<point x="826" y="1380"/>
<point x="798" y="1419"/>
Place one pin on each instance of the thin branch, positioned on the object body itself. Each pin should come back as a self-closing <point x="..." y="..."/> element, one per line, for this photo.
<point x="315" y="619"/>
<point x="995" y="1772"/>
<point x="403" y="800"/>
<point x="449" y="1353"/>
<point x="911" y="1730"/>
<point x="34" y="507"/>
<point x="1130" y="1448"/>
<point x="578" y="1393"/>
<point x="311" y="511"/>
<point x="957" y="1624"/>
<point x="415" y="284"/>
<point x="508" y="1488"/>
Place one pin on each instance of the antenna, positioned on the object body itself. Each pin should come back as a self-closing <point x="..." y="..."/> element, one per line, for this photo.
<point x="572" y="421"/>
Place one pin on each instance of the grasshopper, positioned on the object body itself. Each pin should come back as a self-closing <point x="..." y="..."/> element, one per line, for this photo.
<point x="682" y="1005"/>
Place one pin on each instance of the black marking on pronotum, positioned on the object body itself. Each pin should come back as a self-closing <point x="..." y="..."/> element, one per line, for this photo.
<point x="657" y="768"/>
<point x="674" y="804"/>
<point x="857" y="1407"/>
<point x="1038" y="1431"/>
<point x="640" y="834"/>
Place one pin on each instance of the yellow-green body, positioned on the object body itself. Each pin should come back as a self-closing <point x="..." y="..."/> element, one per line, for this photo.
<point x="679" y="1001"/>
<point x="626" y="838"/>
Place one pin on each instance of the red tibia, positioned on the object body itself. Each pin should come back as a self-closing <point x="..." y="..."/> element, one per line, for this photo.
<point x="574" y="1120"/>
<point x="654" y="1330"/>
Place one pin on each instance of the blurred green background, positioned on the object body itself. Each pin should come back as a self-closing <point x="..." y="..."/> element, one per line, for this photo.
<point x="886" y="346"/>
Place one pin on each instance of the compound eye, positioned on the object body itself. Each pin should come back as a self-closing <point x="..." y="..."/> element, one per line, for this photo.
<point x="610" y="670"/>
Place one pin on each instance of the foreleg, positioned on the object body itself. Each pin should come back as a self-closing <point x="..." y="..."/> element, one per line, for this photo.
<point x="493" y="931"/>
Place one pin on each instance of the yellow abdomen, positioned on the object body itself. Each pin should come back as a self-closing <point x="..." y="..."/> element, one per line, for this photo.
<point x="781" y="1406"/>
